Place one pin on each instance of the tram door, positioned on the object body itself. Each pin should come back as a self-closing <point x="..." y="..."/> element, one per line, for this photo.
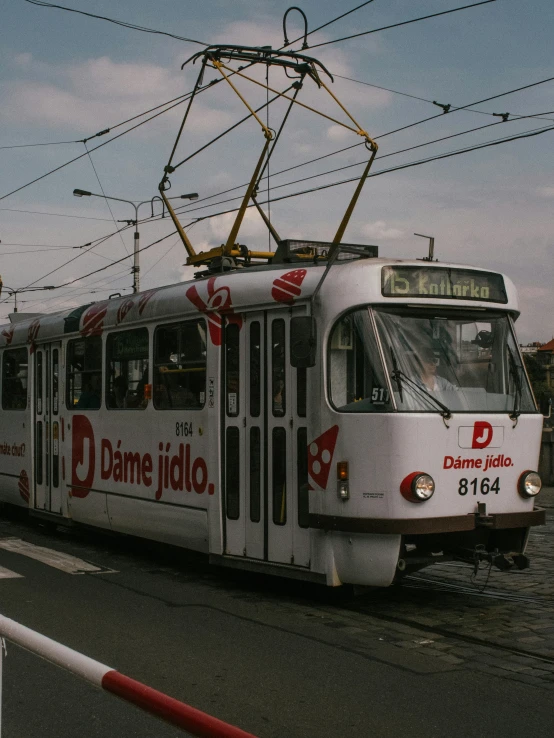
<point x="265" y="442"/>
<point x="48" y="494"/>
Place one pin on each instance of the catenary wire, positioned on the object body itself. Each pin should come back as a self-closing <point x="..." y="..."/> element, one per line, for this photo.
<point x="432" y="102"/>
<point x="334" y="20"/>
<point x="104" y="143"/>
<point x="189" y="209"/>
<point x="457" y="152"/>
<point x="106" y="199"/>
<point x="27" y="146"/>
<point x="125" y="24"/>
<point x="54" y="215"/>
<point x="402" y="23"/>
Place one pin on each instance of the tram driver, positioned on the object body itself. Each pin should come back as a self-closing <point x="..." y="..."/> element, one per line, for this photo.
<point x="426" y="364"/>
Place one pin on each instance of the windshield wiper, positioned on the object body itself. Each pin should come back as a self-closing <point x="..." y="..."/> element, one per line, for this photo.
<point x="396" y="374"/>
<point x="516" y="412"/>
<point x="400" y="377"/>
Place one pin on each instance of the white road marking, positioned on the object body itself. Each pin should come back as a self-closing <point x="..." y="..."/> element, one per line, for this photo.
<point x="64" y="562"/>
<point x="7" y="574"/>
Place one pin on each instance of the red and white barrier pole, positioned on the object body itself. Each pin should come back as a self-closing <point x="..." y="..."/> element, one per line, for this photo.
<point x="156" y="703"/>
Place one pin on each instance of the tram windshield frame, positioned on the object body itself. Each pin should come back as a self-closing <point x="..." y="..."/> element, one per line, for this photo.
<point x="428" y="359"/>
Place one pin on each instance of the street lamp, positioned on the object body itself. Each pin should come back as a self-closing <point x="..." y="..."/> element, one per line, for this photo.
<point x="13" y="291"/>
<point x="136" y="268"/>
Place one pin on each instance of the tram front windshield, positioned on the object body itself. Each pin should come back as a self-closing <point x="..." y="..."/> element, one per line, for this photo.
<point x="462" y="361"/>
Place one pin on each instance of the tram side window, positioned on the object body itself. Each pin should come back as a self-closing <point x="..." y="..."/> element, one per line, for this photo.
<point x="278" y="368"/>
<point x="357" y="382"/>
<point x="127" y="370"/>
<point x="14" y="379"/>
<point x="180" y="366"/>
<point x="232" y="369"/>
<point x="84" y="373"/>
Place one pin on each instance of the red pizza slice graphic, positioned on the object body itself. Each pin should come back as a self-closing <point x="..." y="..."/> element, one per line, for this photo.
<point x="8" y="334"/>
<point x="320" y="456"/>
<point x="287" y="287"/>
<point x="145" y="299"/>
<point x="219" y="302"/>
<point x="32" y="335"/>
<point x="123" y="310"/>
<point x="93" y="319"/>
<point x="24" y="485"/>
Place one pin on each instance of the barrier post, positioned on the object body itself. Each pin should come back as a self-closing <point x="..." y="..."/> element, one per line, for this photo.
<point x="177" y="713"/>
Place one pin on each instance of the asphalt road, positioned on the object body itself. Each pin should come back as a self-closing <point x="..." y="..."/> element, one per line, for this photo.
<point x="278" y="659"/>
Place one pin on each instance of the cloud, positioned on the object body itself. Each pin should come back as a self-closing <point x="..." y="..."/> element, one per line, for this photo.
<point x="547" y="192"/>
<point x="95" y="92"/>
<point x="23" y="60"/>
<point x="379" y="229"/>
<point x="252" y="226"/>
<point x="338" y="133"/>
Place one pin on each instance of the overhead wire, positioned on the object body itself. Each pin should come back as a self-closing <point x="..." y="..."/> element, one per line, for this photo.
<point x="182" y="100"/>
<point x="54" y="215"/>
<point x="437" y="157"/>
<point x="124" y="24"/>
<point x="401" y="23"/>
<point x="334" y="20"/>
<point x="383" y="135"/>
<point x="104" y="143"/>
<point x="190" y="209"/>
<point x="106" y="199"/>
<point x="433" y="102"/>
<point x="27" y="146"/>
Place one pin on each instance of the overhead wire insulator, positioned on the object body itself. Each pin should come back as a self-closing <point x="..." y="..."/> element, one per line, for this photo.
<point x="445" y="108"/>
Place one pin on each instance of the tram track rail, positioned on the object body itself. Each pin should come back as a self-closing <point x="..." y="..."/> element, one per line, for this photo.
<point x="423" y="584"/>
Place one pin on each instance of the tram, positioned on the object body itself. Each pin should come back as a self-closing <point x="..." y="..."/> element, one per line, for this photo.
<point x="275" y="418"/>
<point x="318" y="412"/>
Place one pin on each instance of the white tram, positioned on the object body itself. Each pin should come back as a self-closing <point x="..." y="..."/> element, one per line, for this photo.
<point x="338" y="422"/>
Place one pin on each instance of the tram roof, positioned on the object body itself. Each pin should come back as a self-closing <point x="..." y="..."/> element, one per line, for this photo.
<point x="348" y="283"/>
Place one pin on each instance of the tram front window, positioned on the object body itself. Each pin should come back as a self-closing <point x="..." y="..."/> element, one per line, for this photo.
<point x="459" y="361"/>
<point x="469" y="362"/>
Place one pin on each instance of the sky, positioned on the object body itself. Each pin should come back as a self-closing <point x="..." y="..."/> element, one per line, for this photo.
<point x="65" y="77"/>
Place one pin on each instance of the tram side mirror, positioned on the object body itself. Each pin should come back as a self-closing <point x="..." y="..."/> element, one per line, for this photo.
<point x="483" y="339"/>
<point x="303" y="341"/>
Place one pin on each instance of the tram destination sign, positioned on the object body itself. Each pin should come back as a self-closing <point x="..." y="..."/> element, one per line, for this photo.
<point x="443" y="283"/>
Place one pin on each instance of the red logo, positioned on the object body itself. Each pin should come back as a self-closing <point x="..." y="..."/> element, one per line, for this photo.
<point x="219" y="301"/>
<point x="124" y="308"/>
<point x="24" y="485"/>
<point x="320" y="455"/>
<point x="482" y="434"/>
<point x="83" y="457"/>
<point x="32" y="335"/>
<point x="145" y="299"/>
<point x="8" y="335"/>
<point x="93" y="319"/>
<point x="287" y="287"/>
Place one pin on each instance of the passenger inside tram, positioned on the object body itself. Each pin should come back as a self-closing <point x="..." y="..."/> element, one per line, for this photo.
<point x="92" y="393"/>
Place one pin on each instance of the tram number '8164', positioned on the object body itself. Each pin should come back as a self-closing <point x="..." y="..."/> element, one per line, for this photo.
<point x="183" y="429"/>
<point x="476" y="486"/>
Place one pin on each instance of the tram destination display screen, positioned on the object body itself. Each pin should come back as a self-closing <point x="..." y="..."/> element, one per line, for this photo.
<point x="443" y="283"/>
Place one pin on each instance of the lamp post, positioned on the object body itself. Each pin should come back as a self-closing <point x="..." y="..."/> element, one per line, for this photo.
<point x="15" y="291"/>
<point x="136" y="206"/>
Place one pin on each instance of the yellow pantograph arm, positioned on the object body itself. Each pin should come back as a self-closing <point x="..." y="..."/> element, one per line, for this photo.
<point x="357" y="130"/>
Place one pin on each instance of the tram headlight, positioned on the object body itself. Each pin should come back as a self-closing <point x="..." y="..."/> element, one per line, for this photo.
<point x="529" y="484"/>
<point x="418" y="487"/>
